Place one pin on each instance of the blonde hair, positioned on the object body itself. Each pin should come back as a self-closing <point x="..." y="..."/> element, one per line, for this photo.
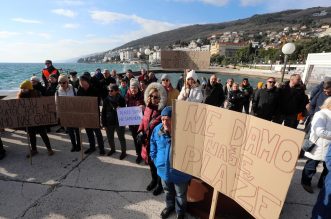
<point x="326" y="104"/>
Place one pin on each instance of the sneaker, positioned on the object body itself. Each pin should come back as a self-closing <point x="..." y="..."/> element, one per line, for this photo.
<point x="50" y="152"/>
<point x="166" y="212"/>
<point x="89" y="151"/>
<point x="151" y="185"/>
<point x="158" y="190"/>
<point x="308" y="188"/>
<point x="32" y="153"/>
<point x="111" y="152"/>
<point x="123" y="155"/>
<point x="138" y="160"/>
<point x="102" y="152"/>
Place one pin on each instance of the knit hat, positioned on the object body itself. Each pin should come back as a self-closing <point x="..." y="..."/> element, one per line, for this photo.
<point x="165" y="76"/>
<point x="63" y="78"/>
<point x="166" y="111"/>
<point x="26" y="85"/>
<point x="134" y="83"/>
<point x="34" y="78"/>
<point x="260" y="84"/>
<point x="192" y="74"/>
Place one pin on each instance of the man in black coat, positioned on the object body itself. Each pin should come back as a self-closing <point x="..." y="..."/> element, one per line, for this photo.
<point x="214" y="92"/>
<point x="266" y="101"/>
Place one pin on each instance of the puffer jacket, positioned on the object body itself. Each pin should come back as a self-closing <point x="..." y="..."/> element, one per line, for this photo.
<point x="160" y="149"/>
<point x="109" y="113"/>
<point x="71" y="91"/>
<point x="320" y="134"/>
<point x="191" y="94"/>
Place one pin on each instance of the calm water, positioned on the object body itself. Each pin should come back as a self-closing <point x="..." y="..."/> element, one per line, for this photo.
<point x="12" y="74"/>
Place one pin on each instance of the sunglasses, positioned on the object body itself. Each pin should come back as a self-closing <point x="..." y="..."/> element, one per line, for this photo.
<point x="272" y="82"/>
<point x="154" y="97"/>
<point x="47" y="63"/>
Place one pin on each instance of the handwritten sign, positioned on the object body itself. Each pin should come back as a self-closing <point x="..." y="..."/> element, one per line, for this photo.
<point x="27" y="112"/>
<point x="129" y="115"/>
<point x="80" y="112"/>
<point x="185" y="59"/>
<point x="246" y="158"/>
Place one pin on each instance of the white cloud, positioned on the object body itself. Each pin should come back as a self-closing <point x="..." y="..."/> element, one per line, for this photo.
<point x="27" y="21"/>
<point x="7" y="34"/>
<point x="64" y="12"/>
<point x="71" y="26"/>
<point x="210" y="2"/>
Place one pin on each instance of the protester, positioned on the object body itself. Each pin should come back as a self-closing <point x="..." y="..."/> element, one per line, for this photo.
<point x="110" y="119"/>
<point x="155" y="98"/>
<point x="66" y="89"/>
<point x="266" y="101"/>
<point x="135" y="97"/>
<point x="123" y="87"/>
<point x="108" y="79"/>
<point x="322" y="207"/>
<point x="191" y="91"/>
<point x="320" y="135"/>
<point x="48" y="71"/>
<point x="143" y="75"/>
<point x="27" y="91"/>
<point x="97" y="81"/>
<point x="143" y="85"/>
<point x="151" y="77"/>
<point x="247" y="91"/>
<point x="2" y="150"/>
<point x="86" y="89"/>
<point x="74" y="80"/>
<point x="228" y="86"/>
<point x="174" y="182"/>
<point x="214" y="94"/>
<point x="172" y="93"/>
<point x="37" y="85"/>
<point x="235" y="99"/>
<point x="180" y="82"/>
<point x="292" y="101"/>
<point x="52" y="86"/>
<point x="115" y="76"/>
<point x="128" y="76"/>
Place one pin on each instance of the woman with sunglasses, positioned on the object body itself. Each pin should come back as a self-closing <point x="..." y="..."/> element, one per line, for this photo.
<point x="155" y="98"/>
<point x="191" y="91"/>
<point x="171" y="92"/>
<point x="66" y="89"/>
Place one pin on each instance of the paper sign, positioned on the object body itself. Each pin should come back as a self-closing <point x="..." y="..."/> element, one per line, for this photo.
<point x="246" y="158"/>
<point x="129" y="115"/>
<point x="78" y="112"/>
<point x="185" y="59"/>
<point x="27" y="112"/>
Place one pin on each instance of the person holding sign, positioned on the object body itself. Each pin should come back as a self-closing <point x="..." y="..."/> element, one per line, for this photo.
<point x="191" y="90"/>
<point x="27" y="91"/>
<point x="155" y="98"/>
<point x="174" y="182"/>
<point x="110" y="120"/>
<point x="134" y="97"/>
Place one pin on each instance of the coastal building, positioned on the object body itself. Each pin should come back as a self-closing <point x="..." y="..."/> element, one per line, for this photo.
<point x="227" y="49"/>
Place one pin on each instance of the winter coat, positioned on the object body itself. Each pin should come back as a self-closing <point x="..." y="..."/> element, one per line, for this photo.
<point x="134" y="100"/>
<point x="172" y="94"/>
<point x="247" y="92"/>
<point x="235" y="100"/>
<point x="320" y="134"/>
<point x="39" y="87"/>
<point x="317" y="99"/>
<point x="123" y="90"/>
<point x="71" y="91"/>
<point x="191" y="94"/>
<point x="160" y="150"/>
<point x="109" y="112"/>
<point x="91" y="92"/>
<point x="51" y="90"/>
<point x="322" y="207"/>
<point x="214" y="95"/>
<point x="292" y="99"/>
<point x="265" y="103"/>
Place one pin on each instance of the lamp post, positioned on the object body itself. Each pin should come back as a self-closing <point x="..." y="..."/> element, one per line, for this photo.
<point x="287" y="49"/>
<point x="147" y="52"/>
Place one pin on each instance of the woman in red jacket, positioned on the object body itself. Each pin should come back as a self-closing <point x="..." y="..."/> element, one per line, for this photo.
<point x="155" y="98"/>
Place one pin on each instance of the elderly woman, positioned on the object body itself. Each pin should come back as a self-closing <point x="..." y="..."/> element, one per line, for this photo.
<point x="155" y="98"/>
<point x="320" y="134"/>
<point x="27" y="91"/>
<point x="66" y="89"/>
<point x="191" y="91"/>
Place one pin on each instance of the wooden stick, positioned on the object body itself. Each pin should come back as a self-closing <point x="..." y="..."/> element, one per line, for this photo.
<point x="81" y="144"/>
<point x="29" y="145"/>
<point x="212" y="212"/>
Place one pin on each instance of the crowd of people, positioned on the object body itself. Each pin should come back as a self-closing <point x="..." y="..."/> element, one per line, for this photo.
<point x="284" y="103"/>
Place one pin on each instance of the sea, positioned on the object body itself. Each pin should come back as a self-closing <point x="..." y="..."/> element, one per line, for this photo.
<point x="12" y="74"/>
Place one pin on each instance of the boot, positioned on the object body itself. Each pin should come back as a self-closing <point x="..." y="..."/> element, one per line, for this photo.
<point x="151" y="185"/>
<point x="158" y="190"/>
<point x="50" y="152"/>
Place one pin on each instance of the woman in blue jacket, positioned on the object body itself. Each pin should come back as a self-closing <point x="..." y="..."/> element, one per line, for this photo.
<point x="174" y="182"/>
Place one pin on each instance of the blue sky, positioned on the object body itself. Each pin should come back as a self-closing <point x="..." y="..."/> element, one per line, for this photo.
<point x="35" y="30"/>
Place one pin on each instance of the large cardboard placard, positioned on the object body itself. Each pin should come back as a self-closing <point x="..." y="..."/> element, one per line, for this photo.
<point x="129" y="115"/>
<point x="27" y="112"/>
<point x="246" y="158"/>
<point x="185" y="59"/>
<point x="79" y="112"/>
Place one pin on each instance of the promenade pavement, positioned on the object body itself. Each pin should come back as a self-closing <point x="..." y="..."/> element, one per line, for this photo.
<point x="64" y="186"/>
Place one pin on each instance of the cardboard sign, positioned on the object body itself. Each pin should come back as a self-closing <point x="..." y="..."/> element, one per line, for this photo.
<point x="185" y="59"/>
<point x="246" y="158"/>
<point x="129" y="115"/>
<point x="27" y="112"/>
<point x="78" y="112"/>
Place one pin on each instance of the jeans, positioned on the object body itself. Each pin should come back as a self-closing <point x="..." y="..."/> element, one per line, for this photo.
<point x="90" y="135"/>
<point x="246" y="106"/>
<point x="134" y="132"/>
<point x="120" y="130"/>
<point x="176" y="196"/>
<point x="41" y="130"/>
<point x="309" y="171"/>
<point x="74" y="137"/>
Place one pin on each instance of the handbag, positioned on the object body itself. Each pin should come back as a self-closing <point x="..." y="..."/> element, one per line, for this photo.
<point x="308" y="145"/>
